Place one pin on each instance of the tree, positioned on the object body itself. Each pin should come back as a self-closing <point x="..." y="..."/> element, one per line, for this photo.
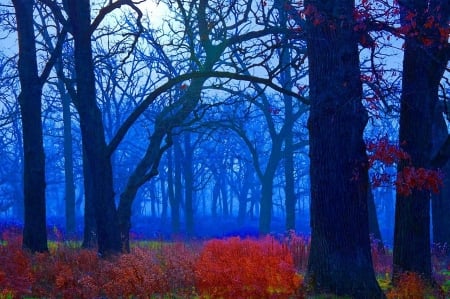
<point x="439" y="202"/>
<point x="340" y="259"/>
<point x="35" y="230"/>
<point x="93" y="135"/>
<point x="425" y="25"/>
<point x="64" y="96"/>
<point x="203" y="44"/>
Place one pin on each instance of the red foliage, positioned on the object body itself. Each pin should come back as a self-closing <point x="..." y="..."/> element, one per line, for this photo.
<point x="409" y="286"/>
<point x="16" y="277"/>
<point x="231" y="268"/>
<point x="381" y="258"/>
<point x="67" y="273"/>
<point x="246" y="268"/>
<point x="409" y="178"/>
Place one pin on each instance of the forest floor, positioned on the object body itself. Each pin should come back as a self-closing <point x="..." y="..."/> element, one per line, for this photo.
<point x="233" y="267"/>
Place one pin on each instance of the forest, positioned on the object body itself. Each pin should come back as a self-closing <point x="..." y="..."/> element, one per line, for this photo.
<point x="136" y="130"/>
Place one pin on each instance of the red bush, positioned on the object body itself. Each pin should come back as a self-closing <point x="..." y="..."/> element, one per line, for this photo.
<point x="236" y="268"/>
<point x="409" y="286"/>
<point x="67" y="273"/>
<point x="16" y="277"/>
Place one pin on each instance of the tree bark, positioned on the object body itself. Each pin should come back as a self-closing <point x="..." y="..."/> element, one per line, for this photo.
<point x="340" y="259"/>
<point x="92" y="131"/>
<point x="423" y="66"/>
<point x="35" y="230"/>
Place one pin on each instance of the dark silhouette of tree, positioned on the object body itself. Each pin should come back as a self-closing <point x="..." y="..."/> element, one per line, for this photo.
<point x="440" y="204"/>
<point x="340" y="259"/>
<point x="426" y="56"/>
<point x="35" y="230"/>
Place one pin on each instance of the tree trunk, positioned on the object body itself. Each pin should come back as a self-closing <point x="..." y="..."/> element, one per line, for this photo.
<point x="441" y="209"/>
<point x="440" y="205"/>
<point x="423" y="66"/>
<point x="68" y="158"/>
<point x="340" y="259"/>
<point x="35" y="230"/>
<point x="243" y="194"/>
<point x="92" y="131"/>
<point x="224" y="191"/>
<point x="90" y="226"/>
<point x="265" y="214"/>
<point x="374" y="227"/>
<point x="188" y="184"/>
<point x="173" y="200"/>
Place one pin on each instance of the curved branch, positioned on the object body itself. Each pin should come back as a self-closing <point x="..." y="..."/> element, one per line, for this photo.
<point x="174" y="81"/>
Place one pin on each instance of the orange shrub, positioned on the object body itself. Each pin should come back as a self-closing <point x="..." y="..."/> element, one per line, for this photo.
<point x="67" y="273"/>
<point x="16" y="277"/>
<point x="409" y="286"/>
<point x="246" y="268"/>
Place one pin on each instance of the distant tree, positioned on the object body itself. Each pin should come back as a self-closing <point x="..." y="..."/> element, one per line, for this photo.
<point x="210" y="32"/>
<point x="11" y="149"/>
<point x="47" y="21"/>
<point x="340" y="259"/>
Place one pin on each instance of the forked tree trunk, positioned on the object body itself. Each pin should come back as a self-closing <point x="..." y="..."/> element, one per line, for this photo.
<point x="92" y="132"/>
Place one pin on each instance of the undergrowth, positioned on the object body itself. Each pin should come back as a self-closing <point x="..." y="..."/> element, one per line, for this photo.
<point x="226" y="268"/>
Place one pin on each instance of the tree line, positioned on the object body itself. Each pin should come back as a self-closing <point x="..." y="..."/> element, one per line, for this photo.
<point x="310" y="72"/>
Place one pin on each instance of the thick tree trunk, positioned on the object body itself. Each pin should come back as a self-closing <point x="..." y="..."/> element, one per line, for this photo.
<point x="340" y="260"/>
<point x="423" y="66"/>
<point x="90" y="226"/>
<point x="35" y="230"/>
<point x="412" y="213"/>
<point x="92" y="131"/>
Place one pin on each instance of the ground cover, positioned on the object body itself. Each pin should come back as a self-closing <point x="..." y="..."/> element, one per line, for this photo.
<point x="234" y="267"/>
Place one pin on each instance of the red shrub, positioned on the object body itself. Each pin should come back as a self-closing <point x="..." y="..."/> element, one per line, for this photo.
<point x="235" y="268"/>
<point x="381" y="258"/>
<point x="67" y="273"/>
<point x="134" y="274"/>
<point x="409" y="286"/>
<point x="16" y="277"/>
